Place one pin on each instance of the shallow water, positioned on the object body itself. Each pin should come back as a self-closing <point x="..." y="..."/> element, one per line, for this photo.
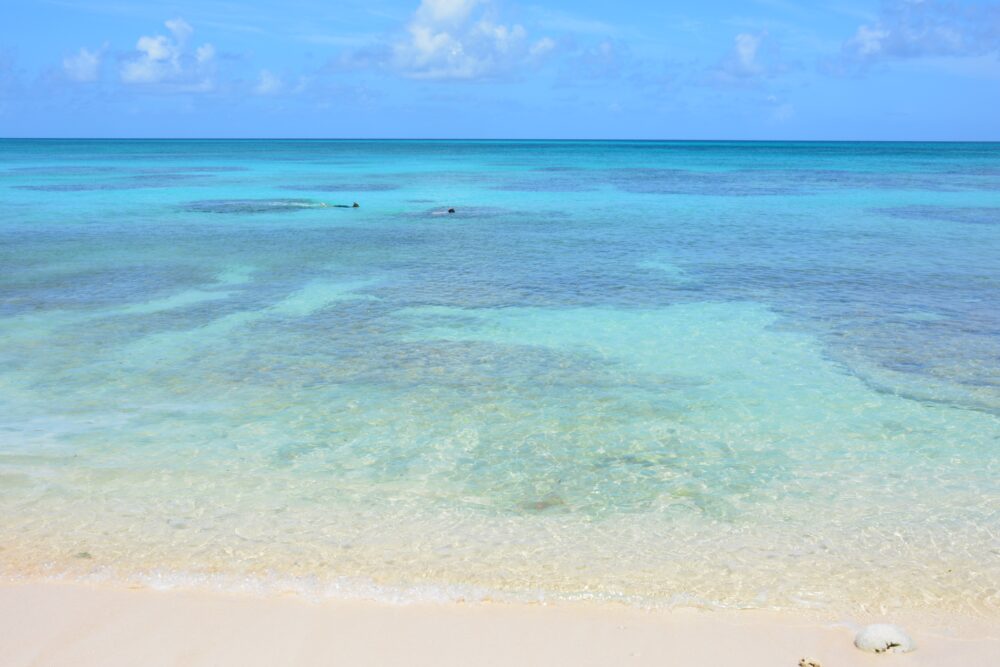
<point x="749" y="374"/>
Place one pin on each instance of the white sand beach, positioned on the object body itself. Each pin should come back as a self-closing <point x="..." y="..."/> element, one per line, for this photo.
<point x="56" y="624"/>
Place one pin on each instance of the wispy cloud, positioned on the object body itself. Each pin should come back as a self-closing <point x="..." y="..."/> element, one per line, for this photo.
<point x="753" y="57"/>
<point x="779" y="110"/>
<point x="607" y="59"/>
<point x="268" y="83"/>
<point x="562" y="21"/>
<point x="84" y="66"/>
<point x="926" y="28"/>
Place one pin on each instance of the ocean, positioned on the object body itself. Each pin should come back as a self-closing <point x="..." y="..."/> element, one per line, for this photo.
<point x="745" y="375"/>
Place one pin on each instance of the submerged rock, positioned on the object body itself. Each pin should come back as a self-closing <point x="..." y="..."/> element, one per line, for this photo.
<point x="884" y="638"/>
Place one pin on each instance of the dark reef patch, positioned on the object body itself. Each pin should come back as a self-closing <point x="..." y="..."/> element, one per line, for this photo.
<point x="683" y="182"/>
<point x="776" y="182"/>
<point x="240" y="206"/>
<point x="546" y="184"/>
<point x="343" y="187"/>
<point x="971" y="215"/>
<point x="64" y="170"/>
<point x="132" y="180"/>
<point x="138" y="182"/>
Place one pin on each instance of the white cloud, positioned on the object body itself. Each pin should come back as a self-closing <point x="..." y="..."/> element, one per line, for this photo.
<point x="752" y="57"/>
<point x="746" y="54"/>
<point x="446" y="11"/>
<point x="268" y="83"/>
<point x="868" y="41"/>
<point x="167" y="59"/>
<point x="445" y="40"/>
<point x="542" y="46"/>
<point x="182" y="29"/>
<point x="85" y="66"/>
<point x="205" y="53"/>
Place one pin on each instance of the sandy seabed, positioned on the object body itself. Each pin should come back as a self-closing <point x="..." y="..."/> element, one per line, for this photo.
<point x="105" y="625"/>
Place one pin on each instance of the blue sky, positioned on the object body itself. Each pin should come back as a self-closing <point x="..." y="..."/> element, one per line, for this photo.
<point x="844" y="69"/>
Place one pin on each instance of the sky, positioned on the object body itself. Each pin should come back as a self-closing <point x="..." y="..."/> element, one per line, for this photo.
<point x="559" y="69"/>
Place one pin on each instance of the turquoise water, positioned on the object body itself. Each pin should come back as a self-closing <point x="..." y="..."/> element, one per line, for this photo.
<point x="737" y="374"/>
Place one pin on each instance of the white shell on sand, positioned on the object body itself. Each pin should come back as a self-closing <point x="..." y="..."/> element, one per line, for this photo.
<point x="884" y="638"/>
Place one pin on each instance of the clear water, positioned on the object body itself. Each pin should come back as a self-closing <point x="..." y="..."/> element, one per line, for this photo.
<point x="739" y="374"/>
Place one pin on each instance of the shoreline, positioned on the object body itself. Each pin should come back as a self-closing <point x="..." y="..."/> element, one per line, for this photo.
<point x="55" y="623"/>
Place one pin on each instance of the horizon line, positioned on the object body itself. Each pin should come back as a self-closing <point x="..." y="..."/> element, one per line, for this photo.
<point x="509" y="139"/>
